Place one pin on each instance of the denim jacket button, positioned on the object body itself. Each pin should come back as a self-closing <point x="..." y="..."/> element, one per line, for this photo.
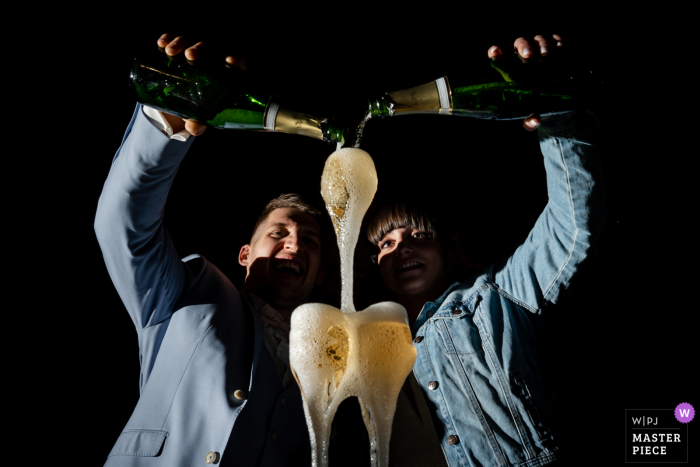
<point x="452" y="440"/>
<point x="418" y="339"/>
<point x="432" y="385"/>
<point x="456" y="311"/>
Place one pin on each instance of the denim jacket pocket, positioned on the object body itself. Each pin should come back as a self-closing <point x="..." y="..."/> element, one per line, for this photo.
<point x="140" y="443"/>
<point x="521" y="390"/>
<point x="459" y="336"/>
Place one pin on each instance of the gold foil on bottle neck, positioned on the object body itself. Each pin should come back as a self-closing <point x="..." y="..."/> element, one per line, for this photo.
<point x="297" y="123"/>
<point x="423" y="99"/>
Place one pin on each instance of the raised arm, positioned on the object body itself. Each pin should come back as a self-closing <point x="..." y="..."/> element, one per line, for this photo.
<point x="575" y="212"/>
<point x="140" y="257"/>
<point x="571" y="220"/>
<point x="141" y="260"/>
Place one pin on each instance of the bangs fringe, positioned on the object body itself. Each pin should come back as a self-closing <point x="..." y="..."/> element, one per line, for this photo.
<point x="397" y="216"/>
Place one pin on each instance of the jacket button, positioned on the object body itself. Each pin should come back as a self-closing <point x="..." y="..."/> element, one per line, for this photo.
<point x="212" y="457"/>
<point x="452" y="440"/>
<point x="418" y="339"/>
<point x="274" y="435"/>
<point x="432" y="385"/>
<point x="456" y="311"/>
<point x="240" y="395"/>
<point x="283" y="401"/>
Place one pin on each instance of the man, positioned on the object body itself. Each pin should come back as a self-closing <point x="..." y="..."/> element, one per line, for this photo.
<point x="476" y="372"/>
<point x="215" y="381"/>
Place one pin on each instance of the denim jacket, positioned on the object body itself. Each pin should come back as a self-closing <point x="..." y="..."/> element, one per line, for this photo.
<point x="477" y="355"/>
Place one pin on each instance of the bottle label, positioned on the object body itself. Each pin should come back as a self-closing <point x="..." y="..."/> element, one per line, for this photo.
<point x="445" y="95"/>
<point x="271" y="116"/>
<point x="296" y="123"/>
<point x="430" y="98"/>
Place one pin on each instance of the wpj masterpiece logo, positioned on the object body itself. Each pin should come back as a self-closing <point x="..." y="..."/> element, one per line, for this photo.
<point x="658" y="435"/>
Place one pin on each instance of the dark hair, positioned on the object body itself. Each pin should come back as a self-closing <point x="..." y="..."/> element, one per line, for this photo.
<point x="285" y="200"/>
<point x="397" y="216"/>
<point x="412" y="216"/>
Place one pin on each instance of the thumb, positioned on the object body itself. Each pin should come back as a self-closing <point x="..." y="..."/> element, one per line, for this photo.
<point x="194" y="127"/>
<point x="532" y="122"/>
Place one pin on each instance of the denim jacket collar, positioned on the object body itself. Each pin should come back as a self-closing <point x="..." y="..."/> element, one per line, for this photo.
<point x="429" y="308"/>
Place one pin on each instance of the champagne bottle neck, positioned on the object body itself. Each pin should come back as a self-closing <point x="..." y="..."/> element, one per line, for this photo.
<point x="434" y="97"/>
<point x="284" y="120"/>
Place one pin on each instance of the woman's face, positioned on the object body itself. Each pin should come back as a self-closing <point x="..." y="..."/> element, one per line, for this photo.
<point x="411" y="263"/>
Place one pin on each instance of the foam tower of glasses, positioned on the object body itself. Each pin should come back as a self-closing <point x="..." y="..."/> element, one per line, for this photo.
<point x="336" y="354"/>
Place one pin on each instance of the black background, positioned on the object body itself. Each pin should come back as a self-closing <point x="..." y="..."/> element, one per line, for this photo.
<point x="620" y="338"/>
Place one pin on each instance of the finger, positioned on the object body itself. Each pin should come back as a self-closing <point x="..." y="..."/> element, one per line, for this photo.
<point x="532" y="122"/>
<point x="192" y="53"/>
<point x="176" y="46"/>
<point x="542" y="45"/>
<point x="165" y="39"/>
<point x="235" y="61"/>
<point x="549" y="45"/>
<point x="495" y="52"/>
<point x="194" y="127"/>
<point x="523" y="47"/>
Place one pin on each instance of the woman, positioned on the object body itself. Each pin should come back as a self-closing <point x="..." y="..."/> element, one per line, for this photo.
<point x="476" y="372"/>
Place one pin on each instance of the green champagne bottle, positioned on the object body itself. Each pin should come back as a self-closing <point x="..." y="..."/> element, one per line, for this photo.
<point x="221" y="97"/>
<point x="507" y="89"/>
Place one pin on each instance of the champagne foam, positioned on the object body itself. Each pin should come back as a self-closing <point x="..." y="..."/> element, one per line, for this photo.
<point x="335" y="354"/>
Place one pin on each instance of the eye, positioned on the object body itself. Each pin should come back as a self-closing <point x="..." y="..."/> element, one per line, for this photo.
<point x="276" y="233"/>
<point x="311" y="241"/>
<point x="421" y="235"/>
<point x="385" y="244"/>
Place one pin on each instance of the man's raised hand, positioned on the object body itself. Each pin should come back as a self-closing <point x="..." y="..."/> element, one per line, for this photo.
<point x="535" y="49"/>
<point x="173" y="45"/>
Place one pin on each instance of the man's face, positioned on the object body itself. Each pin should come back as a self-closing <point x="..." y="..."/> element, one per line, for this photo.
<point x="411" y="263"/>
<point x="283" y="260"/>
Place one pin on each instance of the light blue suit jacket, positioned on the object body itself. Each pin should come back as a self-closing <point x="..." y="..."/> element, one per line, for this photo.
<point x="199" y="340"/>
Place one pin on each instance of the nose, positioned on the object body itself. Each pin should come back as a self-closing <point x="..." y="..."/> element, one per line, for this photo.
<point x="404" y="247"/>
<point x="291" y="243"/>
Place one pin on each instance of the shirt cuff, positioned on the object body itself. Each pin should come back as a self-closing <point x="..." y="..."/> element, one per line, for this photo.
<point x="156" y="117"/>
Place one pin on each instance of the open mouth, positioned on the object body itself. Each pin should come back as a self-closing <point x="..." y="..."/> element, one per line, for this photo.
<point x="410" y="266"/>
<point x="289" y="267"/>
